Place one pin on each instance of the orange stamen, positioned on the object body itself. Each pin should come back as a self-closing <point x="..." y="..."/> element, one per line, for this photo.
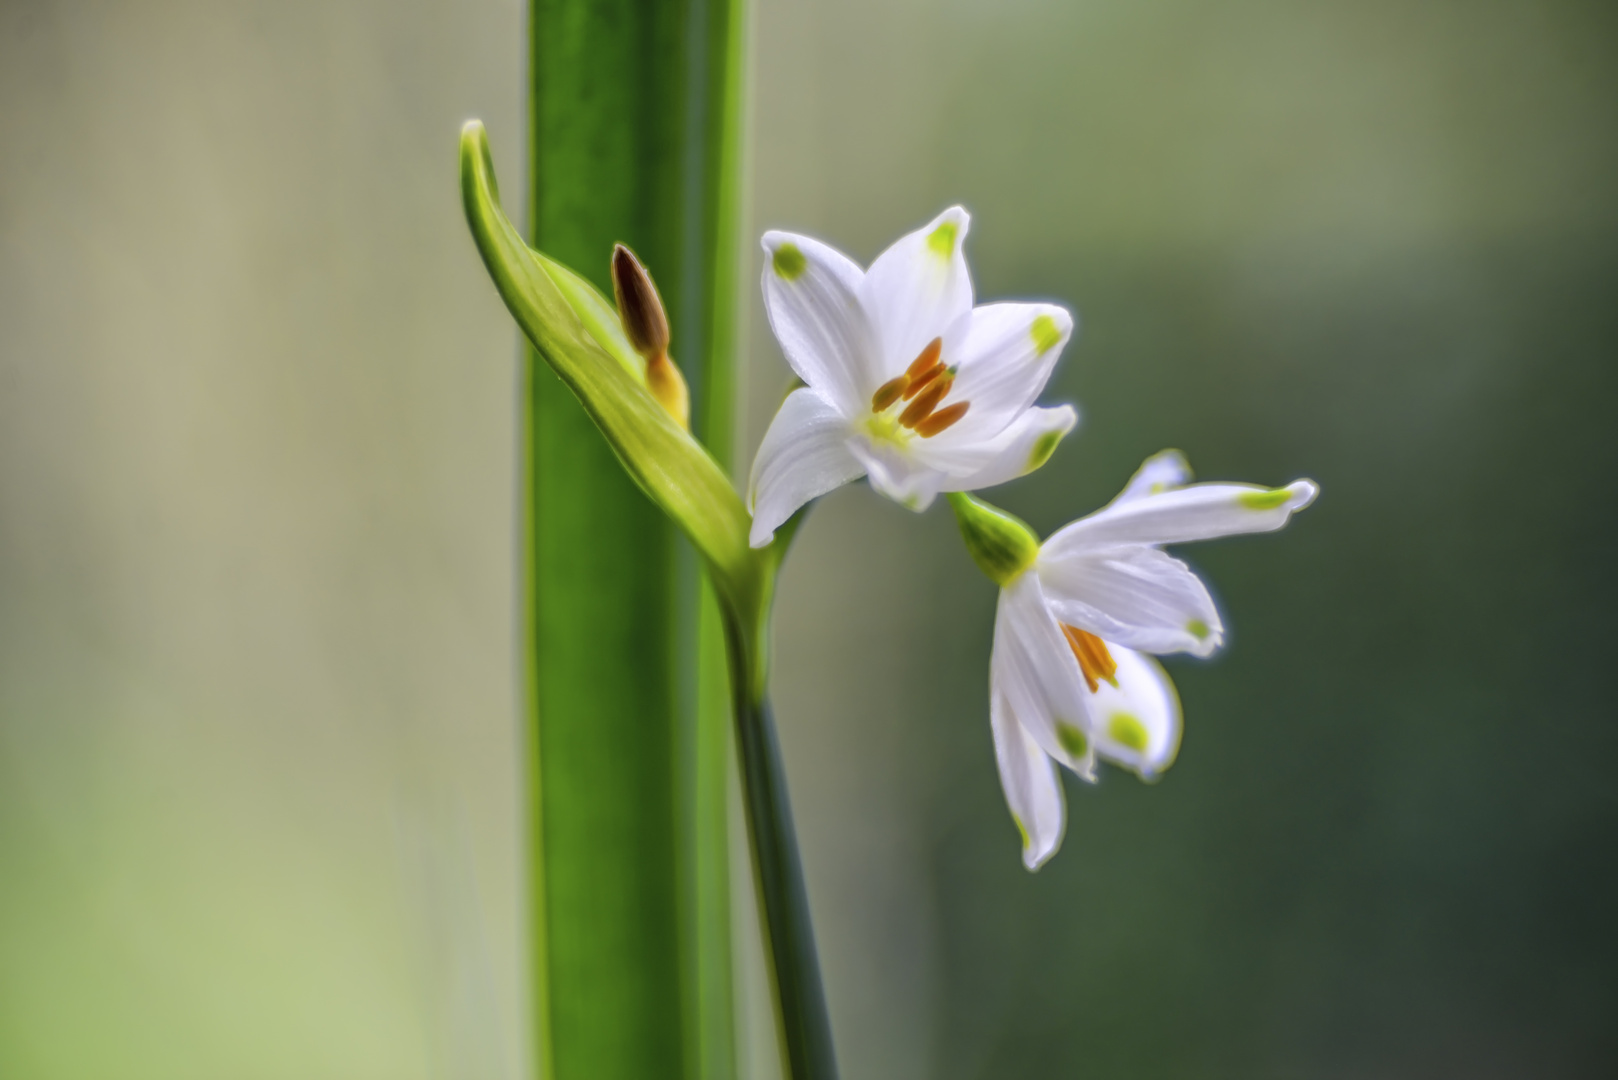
<point x="1095" y="662"/>
<point x="889" y="392"/>
<point x="919" y="382"/>
<point x="925" y="402"/>
<point x="942" y="419"/>
<point x="928" y="357"/>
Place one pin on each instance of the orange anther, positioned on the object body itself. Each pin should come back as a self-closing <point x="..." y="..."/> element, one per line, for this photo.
<point x="1095" y="662"/>
<point x="942" y="419"/>
<point x="917" y="382"/>
<point x="925" y="402"/>
<point x="889" y="392"/>
<point x="928" y="357"/>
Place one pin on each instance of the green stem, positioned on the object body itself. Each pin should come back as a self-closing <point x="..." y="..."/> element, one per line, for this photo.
<point x="804" y="1024"/>
<point x="801" y="999"/>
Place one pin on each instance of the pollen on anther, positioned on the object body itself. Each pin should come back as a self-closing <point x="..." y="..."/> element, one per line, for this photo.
<point x="888" y="393"/>
<point x="1095" y="662"/>
<point x="927" y="358"/>
<point x="925" y="403"/>
<point x="919" y="382"/>
<point x="942" y="419"/>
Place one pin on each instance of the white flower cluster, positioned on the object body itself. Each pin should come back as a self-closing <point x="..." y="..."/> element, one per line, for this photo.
<point x="910" y="385"/>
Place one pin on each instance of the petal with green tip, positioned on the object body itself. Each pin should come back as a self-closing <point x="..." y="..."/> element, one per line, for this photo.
<point x="811" y="295"/>
<point x="1137" y="723"/>
<point x="1028" y="778"/>
<point x="1134" y="595"/>
<point x="1035" y="669"/>
<point x="1197" y="512"/>
<point x="917" y="288"/>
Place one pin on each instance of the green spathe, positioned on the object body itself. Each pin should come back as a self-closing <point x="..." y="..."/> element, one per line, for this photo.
<point x="564" y="318"/>
<point x="1001" y="545"/>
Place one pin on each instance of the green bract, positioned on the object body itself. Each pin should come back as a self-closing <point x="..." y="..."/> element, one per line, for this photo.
<point x="577" y="332"/>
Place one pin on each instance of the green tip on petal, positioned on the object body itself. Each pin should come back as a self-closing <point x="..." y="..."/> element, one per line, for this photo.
<point x="1044" y="447"/>
<point x="1127" y="730"/>
<point x="789" y="262"/>
<point x="942" y="240"/>
<point x="1197" y="629"/>
<point x="1072" y="739"/>
<point x="1001" y="545"/>
<point x="1022" y="831"/>
<point x="1265" y="500"/>
<point x="1045" y="333"/>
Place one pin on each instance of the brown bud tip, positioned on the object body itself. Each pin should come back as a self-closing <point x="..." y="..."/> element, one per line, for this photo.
<point x="639" y="307"/>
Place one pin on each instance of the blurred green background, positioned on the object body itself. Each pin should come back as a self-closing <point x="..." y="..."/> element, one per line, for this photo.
<point x="258" y="782"/>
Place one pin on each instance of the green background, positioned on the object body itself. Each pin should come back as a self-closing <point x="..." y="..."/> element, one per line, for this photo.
<point x="258" y="776"/>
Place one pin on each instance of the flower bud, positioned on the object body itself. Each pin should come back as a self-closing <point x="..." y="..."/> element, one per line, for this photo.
<point x="639" y="306"/>
<point x="646" y="325"/>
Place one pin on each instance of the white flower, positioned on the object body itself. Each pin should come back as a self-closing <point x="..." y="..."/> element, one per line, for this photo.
<point x="905" y="381"/>
<point x="1069" y="680"/>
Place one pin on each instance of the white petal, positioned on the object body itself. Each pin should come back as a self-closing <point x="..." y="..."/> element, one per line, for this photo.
<point x="1033" y="666"/>
<point x="1198" y="512"/>
<point x="1165" y="470"/>
<point x="803" y="456"/>
<point x="811" y="295"/>
<point x="1134" y="595"/>
<point x="1028" y="777"/>
<point x="896" y="474"/>
<point x="1137" y="724"/>
<point x="1018" y="450"/>
<point x="1005" y="357"/>
<point x="917" y="289"/>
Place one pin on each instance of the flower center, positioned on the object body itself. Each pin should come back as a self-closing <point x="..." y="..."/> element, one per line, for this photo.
<point x="925" y="384"/>
<point x="1095" y="661"/>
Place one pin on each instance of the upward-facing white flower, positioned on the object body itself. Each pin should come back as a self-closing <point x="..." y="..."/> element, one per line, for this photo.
<point x="1070" y="679"/>
<point x="906" y="382"/>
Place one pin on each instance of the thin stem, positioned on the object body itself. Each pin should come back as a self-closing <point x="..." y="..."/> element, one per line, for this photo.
<point x="800" y="997"/>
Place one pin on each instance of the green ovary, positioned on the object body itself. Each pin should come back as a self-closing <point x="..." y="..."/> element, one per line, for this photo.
<point x="789" y="262"/>
<point x="1126" y="730"/>
<point x="1264" y="500"/>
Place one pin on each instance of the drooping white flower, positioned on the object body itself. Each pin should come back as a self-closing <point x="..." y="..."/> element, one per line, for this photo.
<point x="1070" y="679"/>
<point x="905" y="381"/>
